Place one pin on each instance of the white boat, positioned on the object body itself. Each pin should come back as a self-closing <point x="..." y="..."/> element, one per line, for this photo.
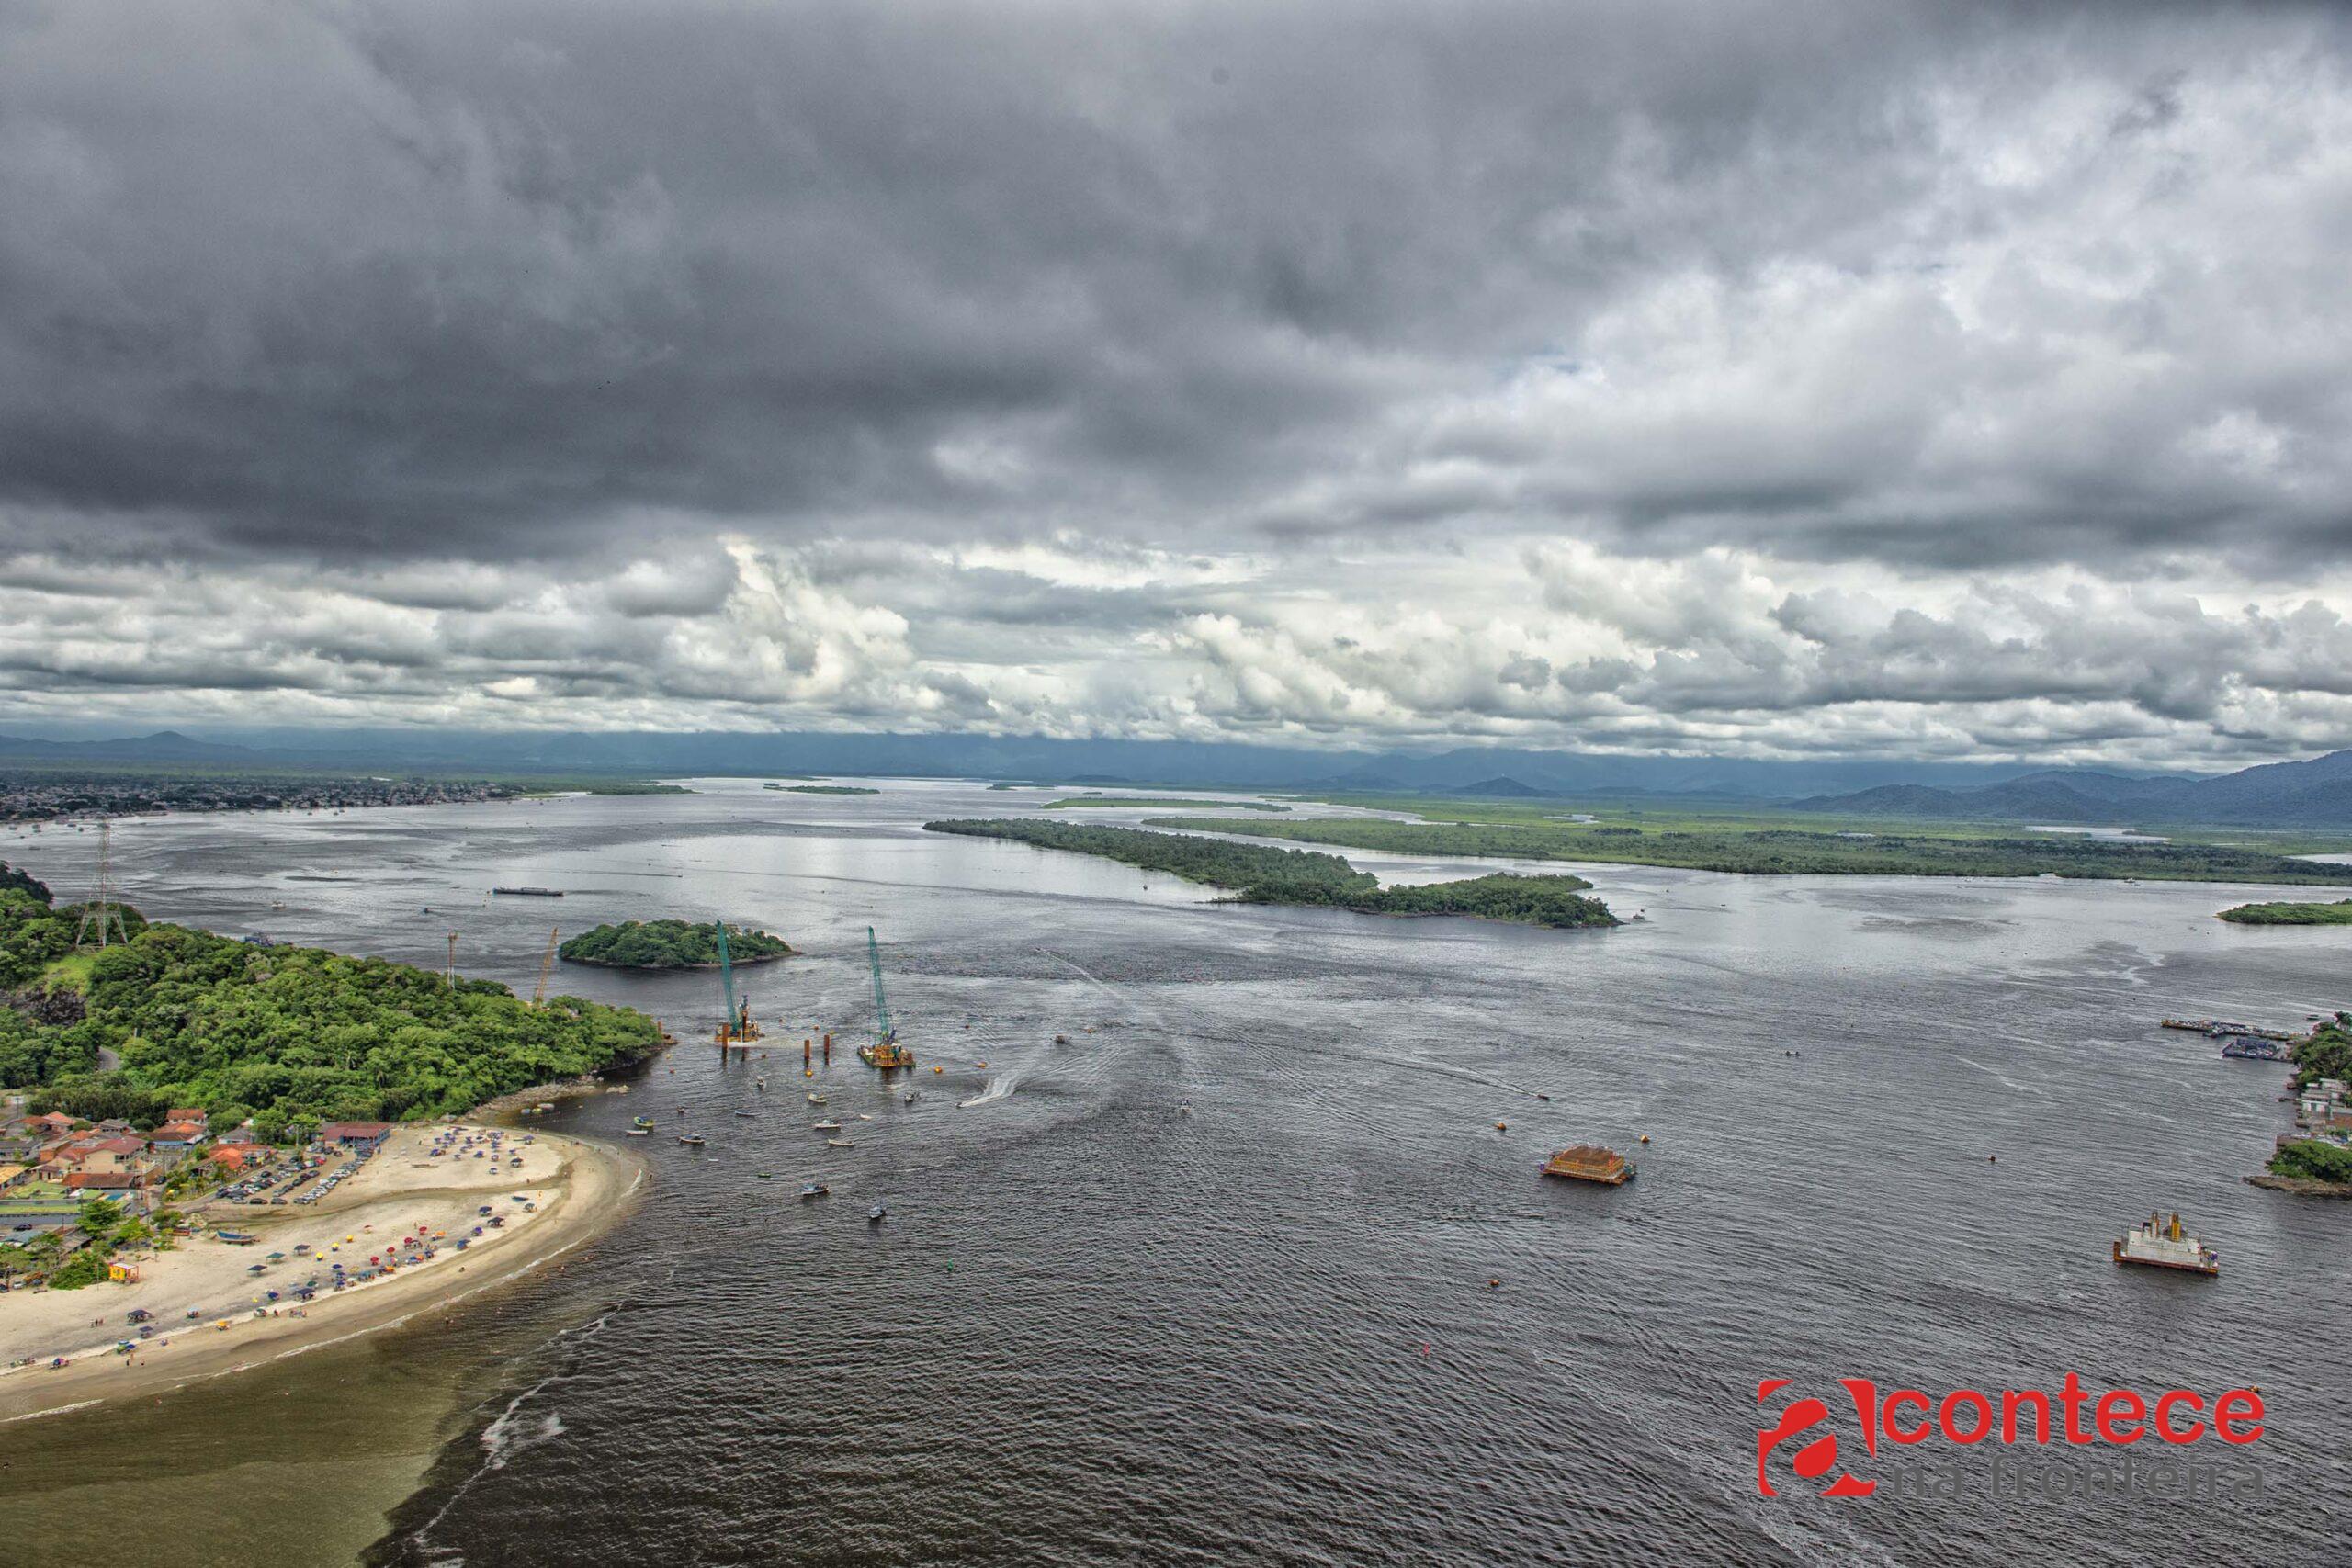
<point x="838" y="1143"/>
<point x="816" y="1100"/>
<point x="2158" y="1243"/>
<point x="827" y="1125"/>
<point x="876" y="1214"/>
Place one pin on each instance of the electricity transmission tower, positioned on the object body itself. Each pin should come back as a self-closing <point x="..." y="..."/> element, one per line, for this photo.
<point x="103" y="912"/>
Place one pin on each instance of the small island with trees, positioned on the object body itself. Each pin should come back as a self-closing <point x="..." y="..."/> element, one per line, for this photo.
<point x="1256" y="874"/>
<point x="670" y="944"/>
<point x="2336" y="914"/>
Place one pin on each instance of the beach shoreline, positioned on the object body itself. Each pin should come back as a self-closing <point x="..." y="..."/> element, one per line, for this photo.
<point x="591" y="1187"/>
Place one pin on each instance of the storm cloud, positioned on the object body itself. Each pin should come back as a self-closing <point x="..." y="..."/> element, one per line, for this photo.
<point x="1949" y="380"/>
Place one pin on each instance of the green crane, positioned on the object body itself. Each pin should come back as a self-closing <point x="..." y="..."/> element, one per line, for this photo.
<point x="886" y="1052"/>
<point x="882" y="1033"/>
<point x="737" y="1026"/>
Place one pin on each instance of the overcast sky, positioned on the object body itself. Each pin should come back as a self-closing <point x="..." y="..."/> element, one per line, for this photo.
<point x="1765" y="379"/>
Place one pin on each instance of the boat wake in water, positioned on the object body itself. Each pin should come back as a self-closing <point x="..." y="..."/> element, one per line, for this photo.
<point x="1000" y="1087"/>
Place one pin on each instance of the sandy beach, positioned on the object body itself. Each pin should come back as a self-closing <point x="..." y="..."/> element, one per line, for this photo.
<point x="565" y="1193"/>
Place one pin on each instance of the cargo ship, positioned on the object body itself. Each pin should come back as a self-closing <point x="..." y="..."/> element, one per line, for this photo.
<point x="2159" y="1244"/>
<point x="531" y="892"/>
<point x="1590" y="1162"/>
<point x="2249" y="1050"/>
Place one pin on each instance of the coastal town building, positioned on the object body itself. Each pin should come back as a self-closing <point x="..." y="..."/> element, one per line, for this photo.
<point x="177" y="1135"/>
<point x="354" y="1134"/>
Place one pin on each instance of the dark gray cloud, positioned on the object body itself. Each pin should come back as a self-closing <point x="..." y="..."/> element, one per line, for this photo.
<point x="581" y="356"/>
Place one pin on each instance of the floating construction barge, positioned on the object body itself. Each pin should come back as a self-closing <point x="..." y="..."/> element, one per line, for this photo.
<point x="1590" y="1162"/>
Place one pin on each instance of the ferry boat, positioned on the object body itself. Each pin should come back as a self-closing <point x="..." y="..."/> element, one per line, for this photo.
<point x="2245" y="1050"/>
<point x="1590" y="1162"/>
<point x="2161" y="1243"/>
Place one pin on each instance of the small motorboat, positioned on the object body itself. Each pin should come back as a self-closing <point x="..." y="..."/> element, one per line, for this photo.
<point x="876" y="1214"/>
<point x="638" y="1133"/>
<point x="644" y="1121"/>
<point x="838" y="1143"/>
<point x="816" y="1189"/>
<point x="749" y="1115"/>
<point x="827" y="1125"/>
<point x="816" y="1100"/>
<point x="914" y="1095"/>
<point x="865" y="1116"/>
<point x="692" y="1140"/>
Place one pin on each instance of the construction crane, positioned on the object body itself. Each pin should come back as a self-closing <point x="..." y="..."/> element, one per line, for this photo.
<point x="738" y="1030"/>
<point x="886" y="1052"/>
<point x="547" y="962"/>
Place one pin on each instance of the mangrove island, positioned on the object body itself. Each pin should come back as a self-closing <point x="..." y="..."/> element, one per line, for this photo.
<point x="670" y="945"/>
<point x="1266" y="875"/>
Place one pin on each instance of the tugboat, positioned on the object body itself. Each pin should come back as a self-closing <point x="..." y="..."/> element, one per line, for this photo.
<point x="2159" y="1244"/>
<point x="1590" y="1162"/>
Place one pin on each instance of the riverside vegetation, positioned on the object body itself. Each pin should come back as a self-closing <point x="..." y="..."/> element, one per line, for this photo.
<point x="2336" y="914"/>
<point x="2325" y="1052"/>
<point x="1267" y="875"/>
<point x="290" y="1036"/>
<point x="670" y="945"/>
<point x="1737" y="845"/>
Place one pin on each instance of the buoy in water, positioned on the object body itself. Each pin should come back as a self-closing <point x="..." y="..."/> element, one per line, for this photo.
<point x="1645" y="1137"/>
<point x="1502" y="1126"/>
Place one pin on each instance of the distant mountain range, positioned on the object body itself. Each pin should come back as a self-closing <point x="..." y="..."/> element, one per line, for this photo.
<point x="1466" y="769"/>
<point x="2315" y="793"/>
<point x="2279" y="794"/>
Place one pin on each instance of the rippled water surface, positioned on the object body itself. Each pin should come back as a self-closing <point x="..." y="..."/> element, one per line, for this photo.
<point x="1102" y="1326"/>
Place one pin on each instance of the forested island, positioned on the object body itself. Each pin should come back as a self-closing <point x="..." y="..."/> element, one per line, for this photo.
<point x="670" y="945"/>
<point x="820" y="789"/>
<point x="1080" y="802"/>
<point x="2336" y="914"/>
<point x="1267" y="875"/>
<point x="290" y="1036"/>
<point x="1782" y="852"/>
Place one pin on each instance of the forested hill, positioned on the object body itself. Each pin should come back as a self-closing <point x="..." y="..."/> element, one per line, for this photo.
<point x="289" y="1035"/>
<point x="670" y="945"/>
